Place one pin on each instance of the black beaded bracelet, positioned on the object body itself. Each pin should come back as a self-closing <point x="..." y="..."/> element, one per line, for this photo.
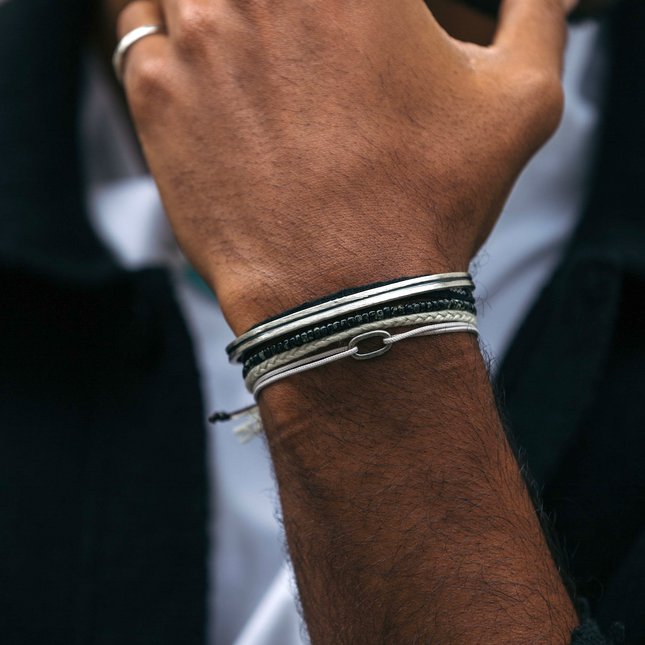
<point x="344" y="303"/>
<point x="465" y="302"/>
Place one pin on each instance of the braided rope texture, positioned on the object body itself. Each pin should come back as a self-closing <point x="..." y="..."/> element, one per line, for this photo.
<point x="312" y="347"/>
<point x="393" y="311"/>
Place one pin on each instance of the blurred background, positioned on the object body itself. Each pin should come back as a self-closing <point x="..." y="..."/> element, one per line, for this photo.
<point x="124" y="518"/>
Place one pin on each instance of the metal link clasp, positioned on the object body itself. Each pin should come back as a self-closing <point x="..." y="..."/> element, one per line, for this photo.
<point x="379" y="333"/>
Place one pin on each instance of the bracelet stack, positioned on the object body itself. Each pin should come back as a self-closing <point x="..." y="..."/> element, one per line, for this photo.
<point x="300" y="339"/>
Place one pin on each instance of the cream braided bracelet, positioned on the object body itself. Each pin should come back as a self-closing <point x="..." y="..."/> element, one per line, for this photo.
<point x="311" y="348"/>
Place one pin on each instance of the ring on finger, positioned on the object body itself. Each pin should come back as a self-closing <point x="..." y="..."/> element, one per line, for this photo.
<point x="118" y="59"/>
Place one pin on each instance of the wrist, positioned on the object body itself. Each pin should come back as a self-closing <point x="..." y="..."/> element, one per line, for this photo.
<point x="250" y="294"/>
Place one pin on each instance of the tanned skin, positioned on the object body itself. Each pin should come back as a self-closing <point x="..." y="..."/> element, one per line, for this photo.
<point x="301" y="147"/>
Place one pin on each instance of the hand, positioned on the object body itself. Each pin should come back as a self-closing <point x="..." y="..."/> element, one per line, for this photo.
<point x="301" y="147"/>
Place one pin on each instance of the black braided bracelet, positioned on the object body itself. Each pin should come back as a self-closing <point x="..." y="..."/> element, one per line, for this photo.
<point x="464" y="303"/>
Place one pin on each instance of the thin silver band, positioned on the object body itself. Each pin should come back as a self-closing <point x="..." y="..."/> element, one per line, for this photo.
<point x="347" y="304"/>
<point x="118" y="59"/>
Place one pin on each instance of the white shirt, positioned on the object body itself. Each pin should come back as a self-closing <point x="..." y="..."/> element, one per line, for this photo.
<point x="252" y="599"/>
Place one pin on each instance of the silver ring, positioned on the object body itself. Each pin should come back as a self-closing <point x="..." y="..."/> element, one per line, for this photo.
<point x="118" y="59"/>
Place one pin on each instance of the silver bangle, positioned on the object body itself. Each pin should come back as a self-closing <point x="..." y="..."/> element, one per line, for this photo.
<point x="312" y="316"/>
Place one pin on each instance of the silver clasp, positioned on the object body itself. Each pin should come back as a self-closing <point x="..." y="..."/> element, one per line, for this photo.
<point x="379" y="333"/>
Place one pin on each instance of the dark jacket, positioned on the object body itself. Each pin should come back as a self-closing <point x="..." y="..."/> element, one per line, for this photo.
<point x="102" y="455"/>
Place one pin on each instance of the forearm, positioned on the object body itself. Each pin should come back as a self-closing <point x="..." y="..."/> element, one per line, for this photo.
<point x="405" y="511"/>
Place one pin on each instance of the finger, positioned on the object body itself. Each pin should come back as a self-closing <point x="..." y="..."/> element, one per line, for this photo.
<point x="139" y="14"/>
<point x="534" y="33"/>
<point x="188" y="14"/>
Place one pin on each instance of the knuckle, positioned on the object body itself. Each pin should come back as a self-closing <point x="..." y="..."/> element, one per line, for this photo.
<point x="544" y="95"/>
<point x="196" y="27"/>
<point x="146" y="85"/>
